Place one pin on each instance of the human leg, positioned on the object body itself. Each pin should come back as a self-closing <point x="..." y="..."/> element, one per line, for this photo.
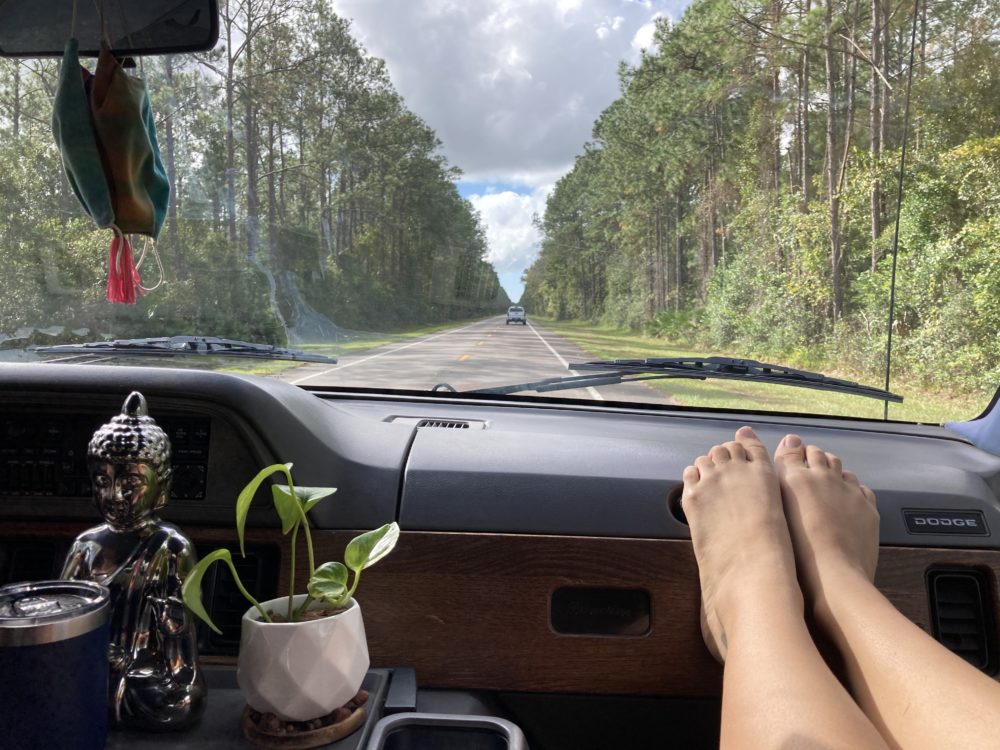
<point x="777" y="690"/>
<point x="916" y="692"/>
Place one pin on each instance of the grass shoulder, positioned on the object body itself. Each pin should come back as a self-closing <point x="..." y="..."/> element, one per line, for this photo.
<point x="919" y="404"/>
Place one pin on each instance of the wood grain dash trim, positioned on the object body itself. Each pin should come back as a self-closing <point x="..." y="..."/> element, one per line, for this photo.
<point x="472" y="610"/>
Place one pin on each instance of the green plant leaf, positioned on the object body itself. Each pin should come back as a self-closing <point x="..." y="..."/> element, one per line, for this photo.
<point x="191" y="588"/>
<point x="247" y="493"/>
<point x="368" y="548"/>
<point x="307" y="497"/>
<point x="310" y="496"/>
<point x="288" y="508"/>
<point x="329" y="582"/>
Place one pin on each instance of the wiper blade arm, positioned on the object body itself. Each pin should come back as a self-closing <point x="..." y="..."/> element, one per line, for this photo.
<point x="557" y="384"/>
<point x="198" y="345"/>
<point x="700" y="368"/>
<point x="739" y="369"/>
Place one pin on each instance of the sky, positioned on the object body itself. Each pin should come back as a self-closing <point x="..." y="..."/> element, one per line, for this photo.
<point x="512" y="88"/>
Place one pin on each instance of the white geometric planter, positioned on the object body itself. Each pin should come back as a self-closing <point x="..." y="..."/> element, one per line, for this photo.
<point x="301" y="670"/>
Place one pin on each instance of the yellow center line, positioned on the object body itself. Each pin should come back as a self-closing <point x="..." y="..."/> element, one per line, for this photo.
<point x="463" y="358"/>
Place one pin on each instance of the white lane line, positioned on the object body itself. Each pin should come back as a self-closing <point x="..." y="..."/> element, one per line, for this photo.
<point x="590" y="389"/>
<point x="94" y="359"/>
<point x="382" y="354"/>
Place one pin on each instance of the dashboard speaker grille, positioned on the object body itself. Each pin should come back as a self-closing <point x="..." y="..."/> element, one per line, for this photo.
<point x="962" y="615"/>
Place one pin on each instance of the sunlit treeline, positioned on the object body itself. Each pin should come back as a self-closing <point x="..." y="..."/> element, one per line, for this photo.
<point x="741" y="192"/>
<point x="302" y="187"/>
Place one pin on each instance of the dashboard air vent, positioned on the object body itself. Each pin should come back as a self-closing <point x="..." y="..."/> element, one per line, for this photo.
<point x="450" y="424"/>
<point x="31" y="560"/>
<point x="962" y="615"/>
<point x="225" y="604"/>
<point x="438" y="422"/>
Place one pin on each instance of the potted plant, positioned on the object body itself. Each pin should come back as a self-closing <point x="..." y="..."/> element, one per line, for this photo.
<point x="302" y="656"/>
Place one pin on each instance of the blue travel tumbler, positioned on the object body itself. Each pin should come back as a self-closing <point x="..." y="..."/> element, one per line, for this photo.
<point x="54" y="665"/>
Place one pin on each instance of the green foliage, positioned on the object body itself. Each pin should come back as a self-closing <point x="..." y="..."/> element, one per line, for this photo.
<point x="703" y="207"/>
<point x="191" y="588"/>
<point x="675" y="325"/>
<point x="312" y="191"/>
<point x="328" y="582"/>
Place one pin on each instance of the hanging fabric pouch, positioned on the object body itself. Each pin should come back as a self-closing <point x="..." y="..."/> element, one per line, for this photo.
<point x="103" y="126"/>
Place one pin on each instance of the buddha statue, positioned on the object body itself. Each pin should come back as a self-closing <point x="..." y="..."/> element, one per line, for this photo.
<point x="155" y="680"/>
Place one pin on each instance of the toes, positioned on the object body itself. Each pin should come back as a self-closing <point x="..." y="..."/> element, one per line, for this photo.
<point x="816" y="457"/>
<point x="851" y="478"/>
<point x="736" y="450"/>
<point x="720" y="454"/>
<point x="754" y="449"/>
<point x="790" y="452"/>
<point x="869" y="495"/>
<point x="835" y="463"/>
<point x="703" y="464"/>
<point x="691" y="475"/>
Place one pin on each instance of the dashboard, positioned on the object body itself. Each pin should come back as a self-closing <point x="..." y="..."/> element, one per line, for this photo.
<point x="543" y="556"/>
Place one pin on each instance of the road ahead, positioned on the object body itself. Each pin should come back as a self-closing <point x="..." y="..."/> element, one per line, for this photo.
<point x="479" y="355"/>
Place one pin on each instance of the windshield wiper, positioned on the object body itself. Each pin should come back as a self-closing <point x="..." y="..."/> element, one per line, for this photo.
<point x="172" y="345"/>
<point x="700" y="368"/>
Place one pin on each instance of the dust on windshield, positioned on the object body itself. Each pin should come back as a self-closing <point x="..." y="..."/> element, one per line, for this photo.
<point x="380" y="182"/>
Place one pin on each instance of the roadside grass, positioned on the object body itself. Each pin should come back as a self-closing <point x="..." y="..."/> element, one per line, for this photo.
<point x="348" y="342"/>
<point x="919" y="404"/>
<point x="262" y="367"/>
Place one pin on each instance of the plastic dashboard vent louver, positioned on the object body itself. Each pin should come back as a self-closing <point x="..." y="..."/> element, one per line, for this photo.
<point x="226" y="605"/>
<point x="452" y="424"/>
<point x="962" y="615"/>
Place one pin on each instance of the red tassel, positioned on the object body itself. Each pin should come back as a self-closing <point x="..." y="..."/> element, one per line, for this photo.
<point x="123" y="276"/>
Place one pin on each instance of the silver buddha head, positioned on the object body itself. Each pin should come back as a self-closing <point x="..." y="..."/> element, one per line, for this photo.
<point x="129" y="462"/>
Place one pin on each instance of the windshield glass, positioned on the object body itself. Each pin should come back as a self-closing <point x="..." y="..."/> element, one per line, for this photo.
<point x="389" y="183"/>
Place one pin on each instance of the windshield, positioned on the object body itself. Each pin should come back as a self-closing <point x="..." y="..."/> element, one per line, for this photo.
<point x="388" y="183"/>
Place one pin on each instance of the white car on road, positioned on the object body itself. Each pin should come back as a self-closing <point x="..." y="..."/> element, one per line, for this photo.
<point x="515" y="314"/>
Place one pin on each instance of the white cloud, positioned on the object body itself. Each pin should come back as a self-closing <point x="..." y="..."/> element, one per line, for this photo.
<point x="567" y="6"/>
<point x="608" y="25"/>
<point x="510" y="232"/>
<point x="644" y="37"/>
<point x="511" y="87"/>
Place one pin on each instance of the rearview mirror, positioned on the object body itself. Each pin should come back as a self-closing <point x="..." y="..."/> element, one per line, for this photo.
<point x="40" y="28"/>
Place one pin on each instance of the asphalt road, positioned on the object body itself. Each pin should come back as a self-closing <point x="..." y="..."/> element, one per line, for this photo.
<point x="484" y="354"/>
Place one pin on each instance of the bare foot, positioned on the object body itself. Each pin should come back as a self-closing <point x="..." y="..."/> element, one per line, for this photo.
<point x="831" y="516"/>
<point x="733" y="505"/>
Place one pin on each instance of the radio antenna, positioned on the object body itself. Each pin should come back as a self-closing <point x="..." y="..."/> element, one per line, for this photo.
<point x="899" y="203"/>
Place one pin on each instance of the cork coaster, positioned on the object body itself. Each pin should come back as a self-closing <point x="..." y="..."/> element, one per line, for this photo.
<point x="271" y="733"/>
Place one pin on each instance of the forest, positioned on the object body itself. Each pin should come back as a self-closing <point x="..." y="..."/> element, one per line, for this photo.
<point x="741" y="193"/>
<point x="306" y="199"/>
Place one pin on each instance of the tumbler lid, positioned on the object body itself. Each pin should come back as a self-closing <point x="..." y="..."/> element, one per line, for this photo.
<point x="49" y="611"/>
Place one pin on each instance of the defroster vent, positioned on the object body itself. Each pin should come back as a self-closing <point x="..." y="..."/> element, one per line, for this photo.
<point x="448" y="424"/>
<point x="962" y="615"/>
<point x="438" y="422"/>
